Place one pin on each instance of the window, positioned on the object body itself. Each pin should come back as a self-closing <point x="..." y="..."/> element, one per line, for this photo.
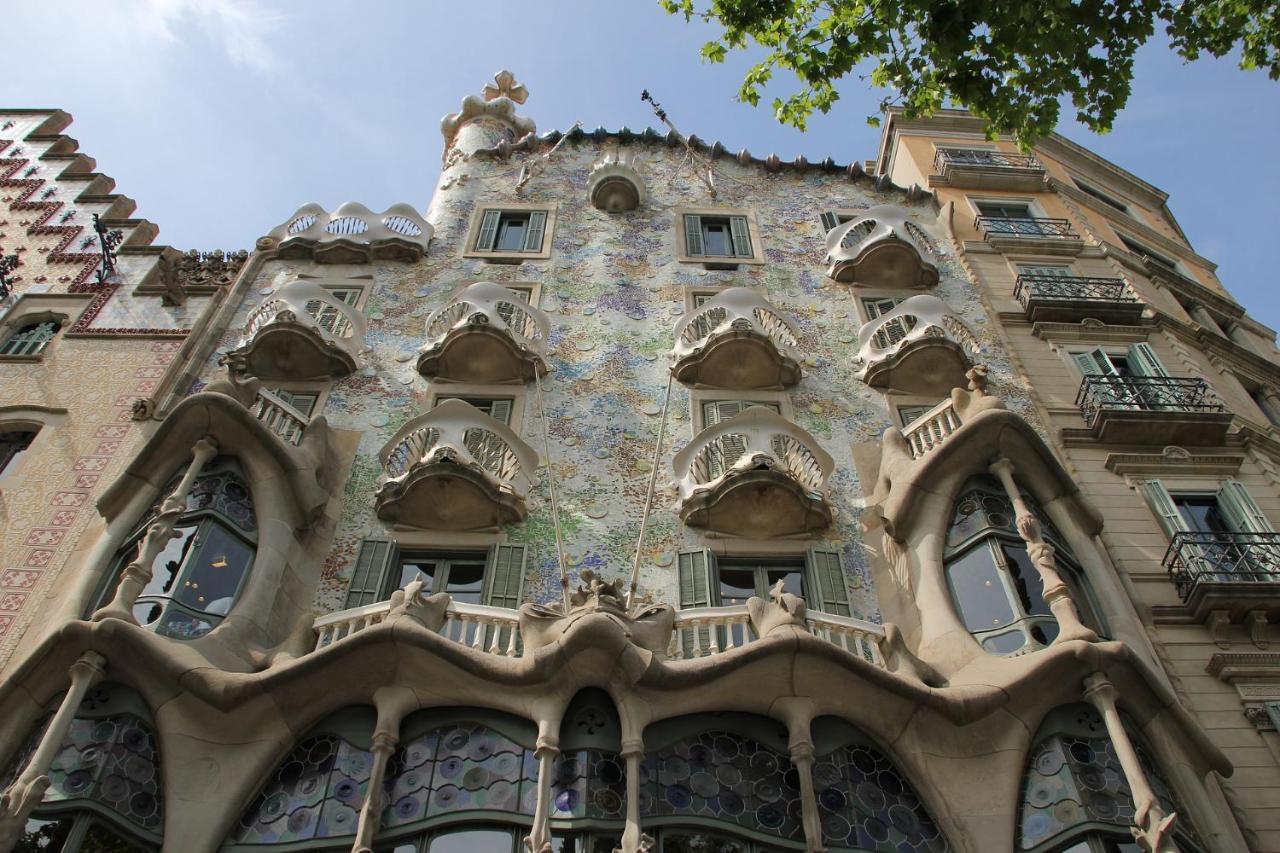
<point x="198" y="576"/>
<point x="1137" y="360"/>
<point x="1109" y="201"/>
<point x="892" y="331"/>
<point x="31" y="339"/>
<point x="908" y="415"/>
<point x="497" y="408"/>
<point x="740" y="580"/>
<point x="330" y="318"/>
<point x="831" y="219"/>
<point x="1045" y="270"/>
<point x="1128" y="381"/>
<point x="1160" y="260"/>
<point x="495" y="578"/>
<point x="717" y="237"/>
<point x="14" y="443"/>
<point x="1004" y="209"/>
<point x="460" y="576"/>
<point x="996" y="588"/>
<point x="722" y="454"/>
<point x="1220" y="535"/>
<point x="706" y="580"/>
<point x="512" y="233"/>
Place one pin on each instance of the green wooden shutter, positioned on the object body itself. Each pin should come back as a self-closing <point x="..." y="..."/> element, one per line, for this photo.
<point x="488" y="231"/>
<point x="537" y="225"/>
<point x="741" y="236"/>
<point x="500" y="411"/>
<point x="1240" y="511"/>
<point x="1162" y="504"/>
<point x="1094" y="363"/>
<point x="698" y="588"/>
<point x="1143" y="361"/>
<point x="830" y="221"/>
<point x="692" y="235"/>
<point x="371" y="579"/>
<point x="504" y="576"/>
<point x="825" y="583"/>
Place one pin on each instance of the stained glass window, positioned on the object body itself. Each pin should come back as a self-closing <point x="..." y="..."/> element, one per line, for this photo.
<point x="30" y="339"/>
<point x="867" y="805"/>
<point x="1074" y="782"/>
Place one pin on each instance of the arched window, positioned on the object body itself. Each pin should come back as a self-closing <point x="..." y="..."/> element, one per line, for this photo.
<point x="995" y="586"/>
<point x="196" y="578"/>
<point x="30" y="339"/>
<point x="1075" y="798"/>
<point x="13" y="443"/>
<point x="104" y="792"/>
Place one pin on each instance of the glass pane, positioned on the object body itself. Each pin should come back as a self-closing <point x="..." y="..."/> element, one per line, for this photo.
<point x="715" y="237"/>
<point x="183" y="626"/>
<point x="701" y="842"/>
<point x="1005" y="644"/>
<point x="511" y="233"/>
<point x="1201" y="513"/>
<point x="43" y="836"/>
<point x="211" y="578"/>
<point x="792" y="580"/>
<point x="977" y="591"/>
<point x="418" y="569"/>
<point x="1026" y="580"/>
<point x="736" y="585"/>
<point x="168" y="562"/>
<point x="465" y="581"/>
<point x="474" y="841"/>
<point x="100" y="839"/>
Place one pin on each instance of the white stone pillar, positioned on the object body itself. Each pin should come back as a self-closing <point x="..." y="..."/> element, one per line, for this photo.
<point x="633" y="839"/>
<point x="539" y="838"/>
<point x="802" y="759"/>
<point x="1153" y="829"/>
<point x="136" y="575"/>
<point x="20" y="800"/>
<point x="1056" y="593"/>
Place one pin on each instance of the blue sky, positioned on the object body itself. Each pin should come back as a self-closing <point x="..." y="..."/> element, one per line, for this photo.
<point x="220" y="117"/>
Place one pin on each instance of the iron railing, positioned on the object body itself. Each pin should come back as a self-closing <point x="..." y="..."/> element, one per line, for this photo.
<point x="1025" y="226"/>
<point x="980" y="157"/>
<point x="1197" y="557"/>
<point x="1071" y="288"/>
<point x="1100" y="393"/>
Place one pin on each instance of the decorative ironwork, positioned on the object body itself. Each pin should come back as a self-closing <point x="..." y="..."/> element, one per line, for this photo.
<point x="8" y="263"/>
<point x="1196" y="557"/>
<point x="1025" y="226"/>
<point x="109" y="241"/>
<point x="981" y="157"/>
<point x="1144" y="393"/>
<point x="1071" y="288"/>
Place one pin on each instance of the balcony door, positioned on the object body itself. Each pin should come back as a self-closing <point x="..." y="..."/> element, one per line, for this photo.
<point x="1218" y="536"/>
<point x="1126" y="381"/>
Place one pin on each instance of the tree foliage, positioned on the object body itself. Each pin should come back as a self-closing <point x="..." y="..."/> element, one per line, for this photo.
<point x="1008" y="61"/>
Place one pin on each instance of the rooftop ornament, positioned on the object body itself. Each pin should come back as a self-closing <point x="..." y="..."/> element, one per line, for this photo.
<point x="702" y="167"/>
<point x="109" y="241"/>
<point x="8" y="263"/>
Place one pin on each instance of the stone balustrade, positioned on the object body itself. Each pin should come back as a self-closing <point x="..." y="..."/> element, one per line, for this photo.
<point x="486" y="333"/>
<point x="707" y="631"/>
<point x="279" y="417"/>
<point x="494" y="630"/>
<point x="736" y="340"/>
<point x="932" y="428"/>
<point x="352" y="234"/>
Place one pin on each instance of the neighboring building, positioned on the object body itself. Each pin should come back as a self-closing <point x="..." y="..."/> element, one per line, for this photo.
<point x="642" y="495"/>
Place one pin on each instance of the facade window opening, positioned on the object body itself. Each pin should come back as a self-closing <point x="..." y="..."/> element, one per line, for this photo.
<point x="13" y="444"/>
<point x="30" y="340"/>
<point x="717" y="236"/>
<point x="740" y="581"/>
<point x="330" y="318"/>
<point x="512" y="231"/>
<point x="461" y="577"/>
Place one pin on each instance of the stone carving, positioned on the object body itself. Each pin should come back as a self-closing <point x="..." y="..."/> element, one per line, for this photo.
<point x="429" y="611"/>
<point x="353" y="234"/>
<point x="505" y="86"/>
<point x="184" y="273"/>
<point x="616" y="185"/>
<point x="647" y="625"/>
<point x="497" y="104"/>
<point x="785" y="609"/>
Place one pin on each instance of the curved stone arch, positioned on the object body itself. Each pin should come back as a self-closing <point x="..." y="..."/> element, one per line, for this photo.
<point x="32" y="419"/>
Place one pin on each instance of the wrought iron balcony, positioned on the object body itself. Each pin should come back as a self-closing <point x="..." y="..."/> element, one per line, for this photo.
<point x="977" y="168"/>
<point x="1052" y="298"/>
<point x="1152" y="410"/>
<point x="302" y="331"/>
<point x="352" y="234"/>
<point x="757" y="475"/>
<point x="736" y="340"/>
<point x="918" y="347"/>
<point x="881" y="248"/>
<point x="1025" y="226"/>
<point x="455" y="468"/>
<point x="485" y="334"/>
<point x="1231" y="571"/>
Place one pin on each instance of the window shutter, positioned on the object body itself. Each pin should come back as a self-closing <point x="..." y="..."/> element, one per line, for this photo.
<point x="374" y="565"/>
<point x="830" y="221"/>
<point x="1161" y="503"/>
<point x="1142" y="358"/>
<point x="692" y="235"/>
<point x="500" y="411"/>
<point x="741" y="236"/>
<point x="504" y="576"/>
<point x="1240" y="511"/>
<point x="1094" y="363"/>
<point x="825" y="582"/>
<point x="537" y="225"/>
<point x="488" y="231"/>
<point x="698" y="588"/>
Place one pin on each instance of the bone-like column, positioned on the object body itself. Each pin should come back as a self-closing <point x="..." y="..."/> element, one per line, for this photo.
<point x="633" y="839"/>
<point x="546" y="751"/>
<point x="802" y="760"/>
<point x="384" y="744"/>
<point x="20" y="800"/>
<point x="136" y="575"/>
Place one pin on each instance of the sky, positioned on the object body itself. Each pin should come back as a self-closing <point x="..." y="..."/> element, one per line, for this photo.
<point x="221" y="117"/>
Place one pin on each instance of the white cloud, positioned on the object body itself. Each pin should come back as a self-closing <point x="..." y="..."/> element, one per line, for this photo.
<point x="241" y="28"/>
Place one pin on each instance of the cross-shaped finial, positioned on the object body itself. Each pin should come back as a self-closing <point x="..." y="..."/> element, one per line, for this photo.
<point x="505" y="86"/>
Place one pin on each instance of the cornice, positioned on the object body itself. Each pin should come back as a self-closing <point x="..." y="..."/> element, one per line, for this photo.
<point x="1173" y="463"/>
<point x="1211" y="343"/>
<point x="1228" y="666"/>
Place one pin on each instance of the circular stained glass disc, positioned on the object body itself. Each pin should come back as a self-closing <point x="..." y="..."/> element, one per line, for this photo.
<point x="704" y="784"/>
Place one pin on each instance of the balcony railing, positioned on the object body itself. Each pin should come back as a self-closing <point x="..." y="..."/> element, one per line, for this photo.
<point x="1100" y="394"/>
<point x="302" y="331"/>
<point x="508" y="337"/>
<point x="1071" y="289"/>
<point x="1025" y="227"/>
<point x="353" y="234"/>
<point x="736" y="340"/>
<point x="706" y="631"/>
<point x="495" y="630"/>
<point x="1202" y="557"/>
<point x="279" y="417"/>
<point x="931" y="429"/>
<point x="984" y="158"/>
<point x="909" y="328"/>
<point x="882" y="248"/>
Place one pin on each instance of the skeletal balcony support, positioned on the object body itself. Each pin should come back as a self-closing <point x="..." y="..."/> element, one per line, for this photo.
<point x="393" y="704"/>
<point x="1153" y="829"/>
<point x="139" y="572"/>
<point x="633" y="840"/>
<point x="20" y="800"/>
<point x="1056" y="593"/>
<point x="546" y="751"/>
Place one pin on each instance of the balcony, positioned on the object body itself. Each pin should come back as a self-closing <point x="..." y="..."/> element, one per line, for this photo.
<point x="352" y="234"/>
<point x="919" y="347"/>
<point x="1152" y="410"/>
<point x="881" y="248"/>
<point x="1069" y="299"/>
<point x="615" y="184"/>
<point x="485" y="334"/>
<point x="1234" y="572"/>
<point x="302" y="332"/>
<point x="736" y="340"/>
<point x="455" y="468"/>
<point x="1029" y="234"/>
<point x="980" y="169"/>
<point x="702" y="632"/>
<point x="281" y="419"/>
<point x="492" y="630"/>
<point x="756" y="475"/>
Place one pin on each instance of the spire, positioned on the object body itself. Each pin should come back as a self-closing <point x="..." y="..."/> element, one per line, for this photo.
<point x="486" y="119"/>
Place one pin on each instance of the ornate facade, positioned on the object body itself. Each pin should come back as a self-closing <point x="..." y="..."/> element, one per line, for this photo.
<point x="643" y="496"/>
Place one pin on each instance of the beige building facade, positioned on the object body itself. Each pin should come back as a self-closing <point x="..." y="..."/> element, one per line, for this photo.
<point x="640" y="495"/>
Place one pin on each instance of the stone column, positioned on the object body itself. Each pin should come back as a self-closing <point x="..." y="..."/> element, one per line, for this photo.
<point x="1056" y="593"/>
<point x="1202" y="316"/>
<point x="539" y="838"/>
<point x="633" y="840"/>
<point x="802" y="759"/>
<point x="136" y="575"/>
<point x="1153" y="828"/>
<point x="1268" y="400"/>
<point x="384" y="744"/>
<point x="20" y="800"/>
